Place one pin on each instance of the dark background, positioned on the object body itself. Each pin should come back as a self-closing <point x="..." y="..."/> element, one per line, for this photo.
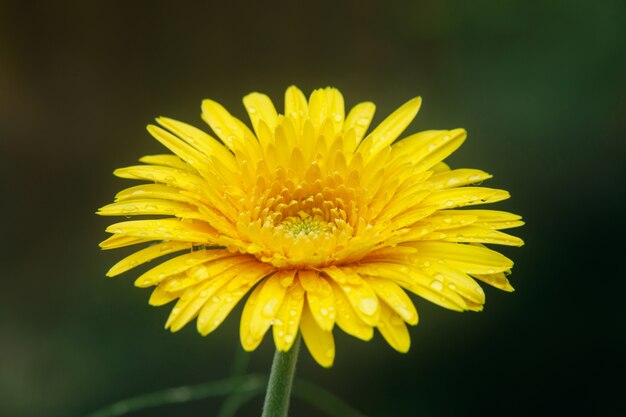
<point x="540" y="86"/>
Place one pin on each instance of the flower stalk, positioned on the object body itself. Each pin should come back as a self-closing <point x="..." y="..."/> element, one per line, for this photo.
<point x="281" y="379"/>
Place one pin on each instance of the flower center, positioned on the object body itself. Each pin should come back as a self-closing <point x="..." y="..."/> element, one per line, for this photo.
<point x="304" y="225"/>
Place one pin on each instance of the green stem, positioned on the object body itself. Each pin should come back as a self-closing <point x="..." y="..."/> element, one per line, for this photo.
<point x="281" y="379"/>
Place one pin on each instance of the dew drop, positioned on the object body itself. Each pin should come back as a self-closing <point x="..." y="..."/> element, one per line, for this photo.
<point x="251" y="110"/>
<point x="270" y="307"/>
<point x="453" y="181"/>
<point x="330" y="353"/>
<point x="215" y="299"/>
<point x="288" y="338"/>
<point x="449" y="203"/>
<point x="293" y="313"/>
<point x="324" y="312"/>
<point x="363" y="121"/>
<point x="436" y="285"/>
<point x="368" y="305"/>
<point x="474" y="178"/>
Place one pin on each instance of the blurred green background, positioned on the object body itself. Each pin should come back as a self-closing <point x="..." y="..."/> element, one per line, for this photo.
<point x="540" y="86"/>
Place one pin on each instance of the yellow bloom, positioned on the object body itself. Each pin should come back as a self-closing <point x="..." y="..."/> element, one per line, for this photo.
<point x="325" y="224"/>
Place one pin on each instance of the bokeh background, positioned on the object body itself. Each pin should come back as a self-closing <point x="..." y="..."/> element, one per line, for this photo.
<point x="540" y="86"/>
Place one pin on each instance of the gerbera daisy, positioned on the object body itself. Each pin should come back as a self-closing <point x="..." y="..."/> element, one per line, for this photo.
<point x="320" y="222"/>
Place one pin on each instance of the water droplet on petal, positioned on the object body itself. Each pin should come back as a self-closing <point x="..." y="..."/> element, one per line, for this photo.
<point x="436" y="285"/>
<point x="270" y="307"/>
<point x="324" y="312"/>
<point x="368" y="305"/>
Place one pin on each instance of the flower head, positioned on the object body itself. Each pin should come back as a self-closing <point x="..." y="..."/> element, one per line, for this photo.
<point x="320" y="222"/>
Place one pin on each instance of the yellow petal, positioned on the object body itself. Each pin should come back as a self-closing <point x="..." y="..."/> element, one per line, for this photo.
<point x="260" y="107"/>
<point x="120" y="240"/>
<point x="177" y="265"/>
<point x="224" y="300"/>
<point x="147" y="254"/>
<point x="464" y="196"/>
<point x="287" y="321"/>
<point x="320" y="343"/>
<point x="322" y="304"/>
<point x="394" y="297"/>
<point x="458" y="178"/>
<point x="166" y="229"/>
<point x="198" y="139"/>
<point x="231" y="130"/>
<point x="394" y="330"/>
<point x="467" y="258"/>
<point x="359" y="293"/>
<point x="166" y="175"/>
<point x="192" y="300"/>
<point x="296" y="106"/>
<point x="160" y="296"/>
<point x="150" y="207"/>
<point x="494" y="219"/>
<point x="415" y="280"/>
<point x="438" y="148"/>
<point x="498" y="280"/>
<point x="359" y="119"/>
<point x="482" y="235"/>
<point x="155" y="191"/>
<point x="190" y="155"/>
<point x="455" y="280"/>
<point x="167" y="161"/>
<point x="347" y="319"/>
<point x="393" y="126"/>
<point x="261" y="309"/>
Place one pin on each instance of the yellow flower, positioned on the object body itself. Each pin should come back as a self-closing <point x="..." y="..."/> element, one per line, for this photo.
<point x="325" y="224"/>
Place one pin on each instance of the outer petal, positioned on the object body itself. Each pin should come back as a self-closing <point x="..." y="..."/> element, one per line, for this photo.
<point x="390" y="128"/>
<point x="178" y="265"/>
<point x="165" y="229"/>
<point x="214" y="312"/>
<point x="320" y="298"/>
<point x="358" y="292"/>
<point x="394" y="297"/>
<point x="145" y="255"/>
<point x="320" y="343"/>
<point x="261" y="309"/>
<point x="467" y="258"/>
<point x="394" y="330"/>
<point x="287" y="321"/>
<point x="260" y="107"/>
<point x="347" y="319"/>
<point x="359" y="120"/>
